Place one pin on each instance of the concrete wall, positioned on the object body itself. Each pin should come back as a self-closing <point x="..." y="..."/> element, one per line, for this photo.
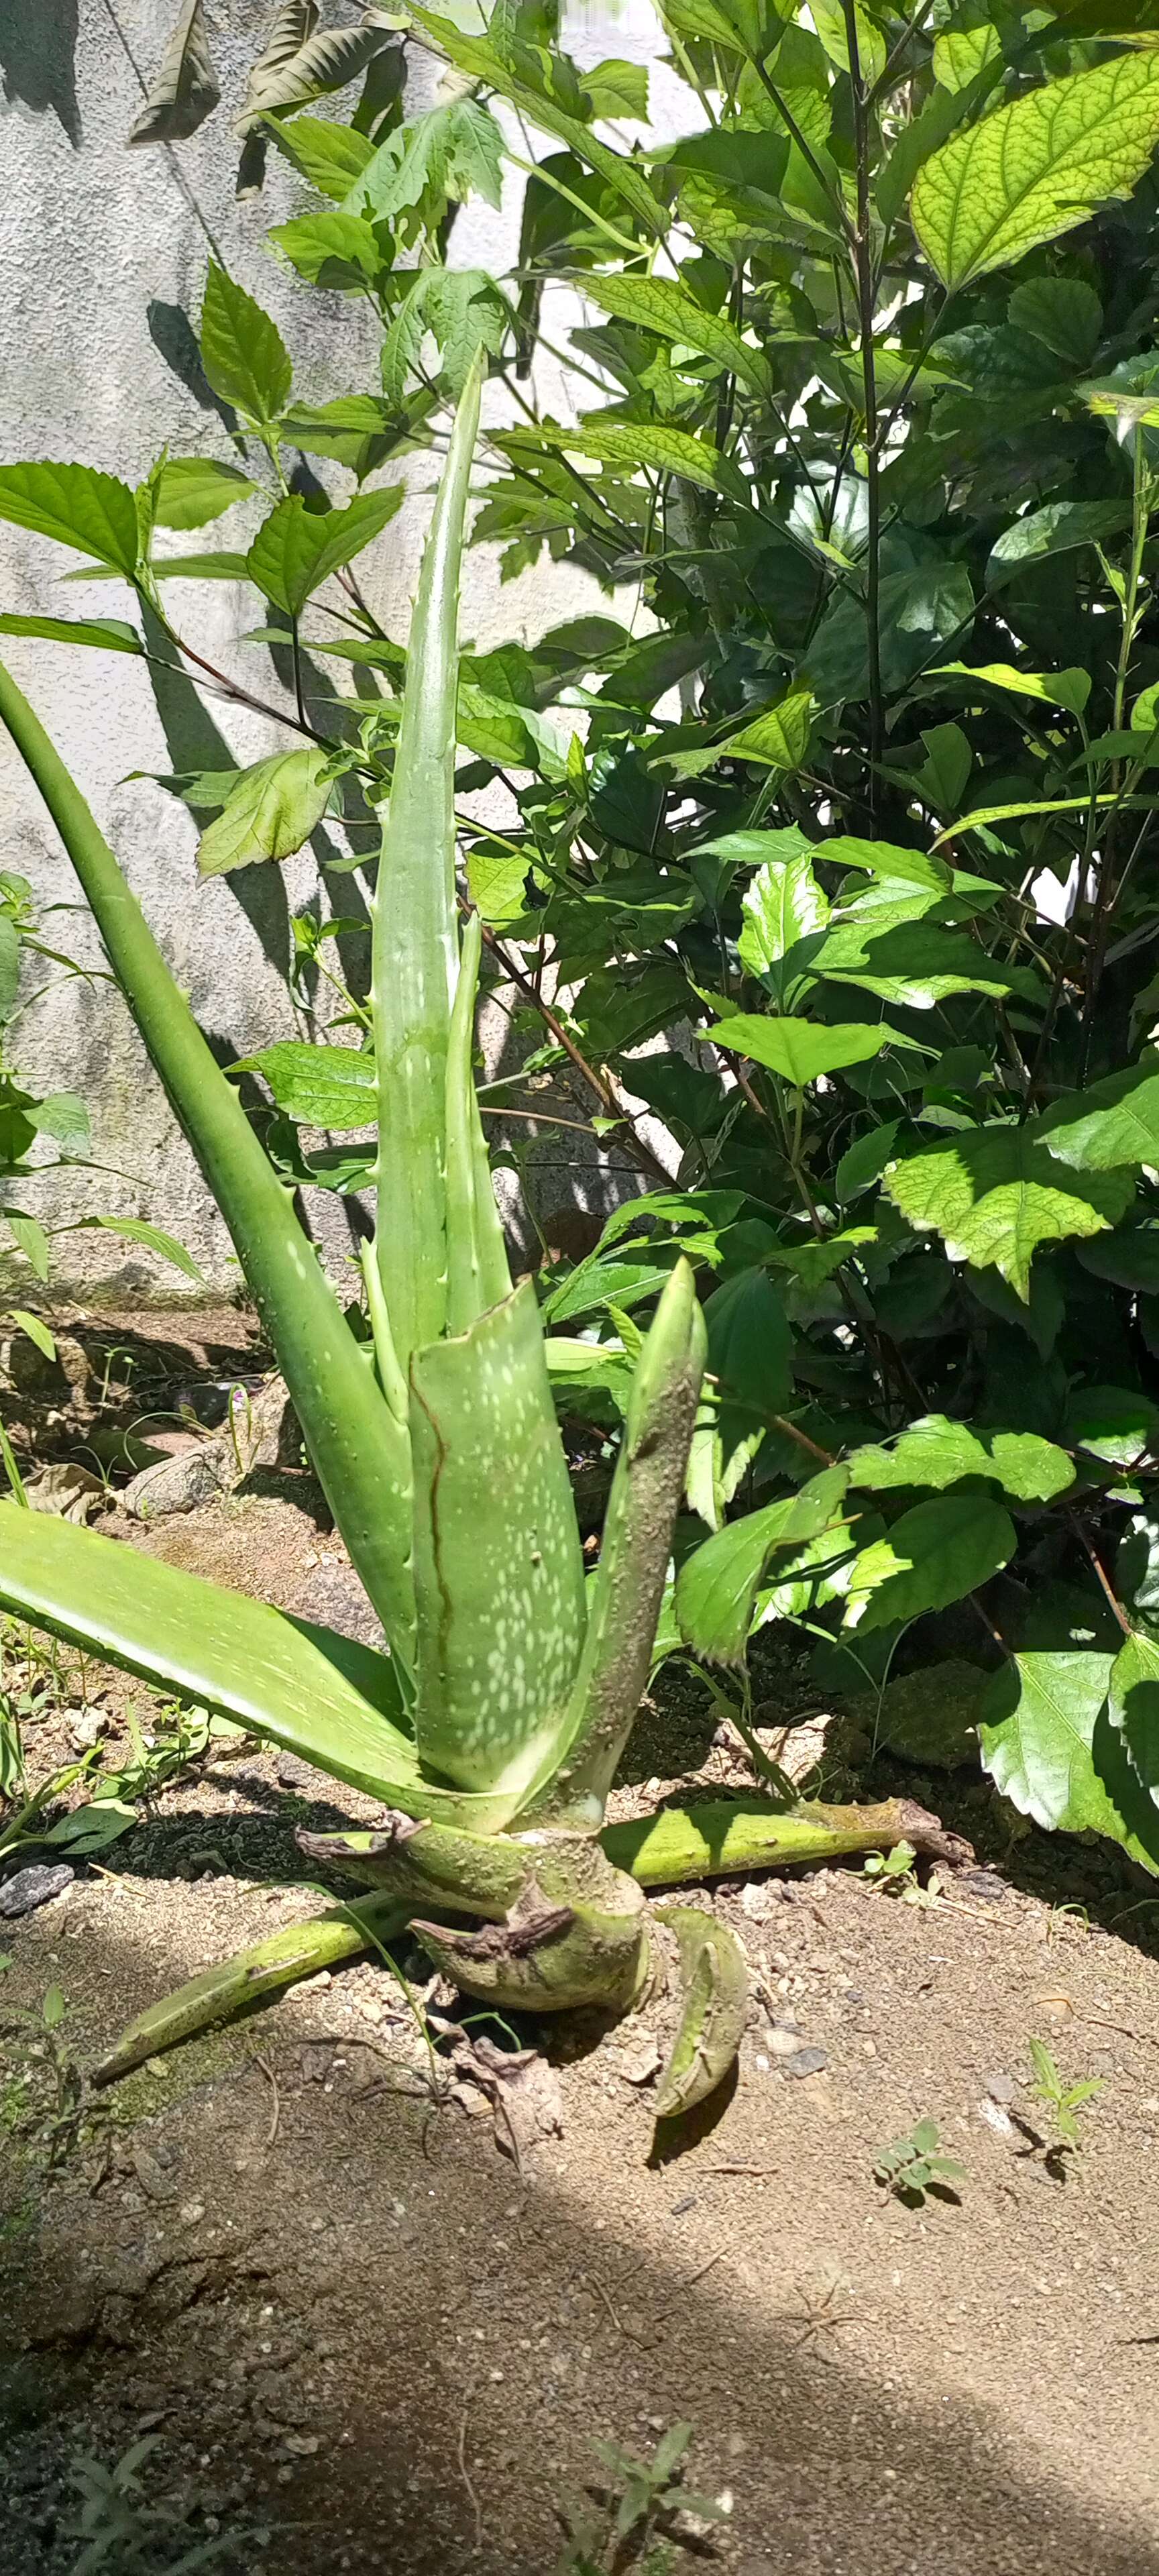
<point x="103" y="255"/>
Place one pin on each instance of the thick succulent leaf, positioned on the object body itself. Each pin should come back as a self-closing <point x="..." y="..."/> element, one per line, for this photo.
<point x="717" y="1585"/>
<point x="1049" y="1744"/>
<point x="360" y="1450"/>
<point x="714" y="2008"/>
<point x="936" y="1451"/>
<point x="478" y="1275"/>
<point x="1037" y="167"/>
<point x="997" y="1193"/>
<point x="498" y="1568"/>
<point x="320" y="1695"/>
<point x="625" y="1595"/>
<point x="186" y="89"/>
<point x="215" y="1994"/>
<point x="271" y="811"/>
<point x="929" y="1557"/>
<point x="415" y="953"/>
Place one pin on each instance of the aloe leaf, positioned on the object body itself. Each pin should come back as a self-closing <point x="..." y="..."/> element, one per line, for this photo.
<point x="415" y="951"/>
<point x="732" y="1837"/>
<point x="334" y="1702"/>
<point x="628" y="1586"/>
<point x="578" y="1935"/>
<point x="477" y="1272"/>
<point x="498" y="1568"/>
<point x="715" y="1981"/>
<point x="214" y="1996"/>
<point x="359" y="1449"/>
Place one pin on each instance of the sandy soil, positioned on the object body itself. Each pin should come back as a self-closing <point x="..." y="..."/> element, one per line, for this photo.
<point x="366" y="2341"/>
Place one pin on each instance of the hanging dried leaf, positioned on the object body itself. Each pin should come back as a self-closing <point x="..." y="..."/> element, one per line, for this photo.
<point x="293" y="27"/>
<point x="325" y="62"/>
<point x="185" y="91"/>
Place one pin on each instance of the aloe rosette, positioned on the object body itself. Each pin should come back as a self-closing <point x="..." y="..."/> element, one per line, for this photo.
<point x="491" y="1726"/>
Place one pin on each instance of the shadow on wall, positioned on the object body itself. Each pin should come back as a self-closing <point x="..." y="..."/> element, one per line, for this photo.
<point x="38" y="58"/>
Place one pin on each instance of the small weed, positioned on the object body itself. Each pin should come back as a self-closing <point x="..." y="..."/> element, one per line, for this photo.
<point x="635" y="2520"/>
<point x="45" y="2092"/>
<point x="1062" y="2101"/>
<point x="912" y="2166"/>
<point x="126" y="2534"/>
<point x="893" y="1871"/>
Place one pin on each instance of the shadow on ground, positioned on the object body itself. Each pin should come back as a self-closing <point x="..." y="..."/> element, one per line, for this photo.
<point x="354" y="2326"/>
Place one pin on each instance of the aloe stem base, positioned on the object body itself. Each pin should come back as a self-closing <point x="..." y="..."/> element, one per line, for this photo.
<point x="580" y="1946"/>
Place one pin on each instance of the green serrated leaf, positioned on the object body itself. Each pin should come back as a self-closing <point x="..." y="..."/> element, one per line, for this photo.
<point x="632" y="444"/>
<point x="330" y="157"/>
<point x="930" y="1557"/>
<point x="939" y="1452"/>
<point x="323" y="1086"/>
<point x="153" y="1237"/>
<point x="75" y="506"/>
<point x="1113" y="1124"/>
<point x="242" y="351"/>
<point x="1049" y="1745"/>
<point x="108" y="634"/>
<point x="296" y="549"/>
<point x="1070" y="688"/>
<point x="660" y="305"/>
<point x="327" y="61"/>
<point x="997" y="1193"/>
<point x="270" y="812"/>
<point x="782" y="905"/>
<point x="800" y="1050"/>
<point x="191" y="490"/>
<point x="1035" y="168"/>
<point x="717" y="1586"/>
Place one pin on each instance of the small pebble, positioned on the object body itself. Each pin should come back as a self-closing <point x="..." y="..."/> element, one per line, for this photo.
<point x="805" y="2061"/>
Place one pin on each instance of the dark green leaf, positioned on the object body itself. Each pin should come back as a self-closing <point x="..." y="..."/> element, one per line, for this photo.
<point x="75" y="506"/>
<point x="242" y="351"/>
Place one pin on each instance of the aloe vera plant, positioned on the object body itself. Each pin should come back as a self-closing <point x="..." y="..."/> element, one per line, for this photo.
<point x="491" y="1727"/>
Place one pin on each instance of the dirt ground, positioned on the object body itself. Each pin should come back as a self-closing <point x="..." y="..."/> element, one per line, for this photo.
<point x="365" y="2340"/>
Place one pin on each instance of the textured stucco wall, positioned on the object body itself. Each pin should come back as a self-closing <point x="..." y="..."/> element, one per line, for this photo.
<point x="103" y="254"/>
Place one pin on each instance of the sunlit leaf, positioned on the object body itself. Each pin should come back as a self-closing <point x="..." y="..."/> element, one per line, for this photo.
<point x="997" y="1193"/>
<point x="242" y="351"/>
<point x="271" y="811"/>
<point x="929" y="1557"/>
<point x="1035" y="168"/>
